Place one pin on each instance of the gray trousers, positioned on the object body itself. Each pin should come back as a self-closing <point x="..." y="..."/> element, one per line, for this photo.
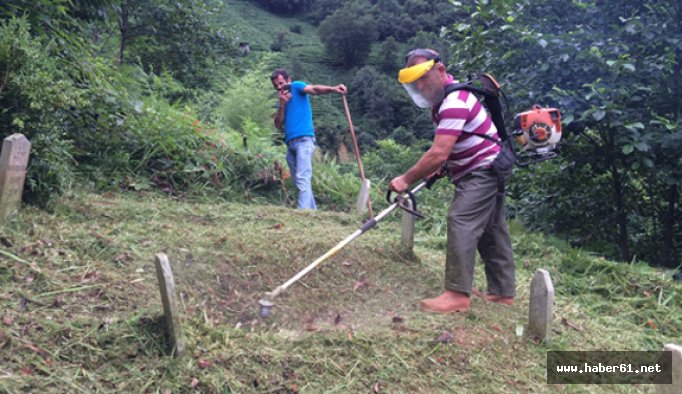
<point x="476" y="222"/>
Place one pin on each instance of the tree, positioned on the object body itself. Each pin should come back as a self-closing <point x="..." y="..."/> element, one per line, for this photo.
<point x="388" y="56"/>
<point x="285" y="6"/>
<point x="596" y="61"/>
<point x="348" y="34"/>
<point x="182" y="36"/>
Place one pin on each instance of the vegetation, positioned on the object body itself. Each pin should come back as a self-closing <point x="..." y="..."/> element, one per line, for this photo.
<point x="348" y="34"/>
<point x="151" y="130"/>
<point x="81" y="310"/>
<point x="620" y="99"/>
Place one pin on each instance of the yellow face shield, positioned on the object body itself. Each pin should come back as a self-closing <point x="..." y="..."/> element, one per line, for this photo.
<point x="411" y="74"/>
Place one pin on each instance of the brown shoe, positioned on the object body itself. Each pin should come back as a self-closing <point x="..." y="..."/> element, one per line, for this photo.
<point x="449" y="301"/>
<point x="494" y="298"/>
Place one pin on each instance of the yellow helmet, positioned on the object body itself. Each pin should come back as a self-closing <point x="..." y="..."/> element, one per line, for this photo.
<point x="408" y="77"/>
<point x="411" y="74"/>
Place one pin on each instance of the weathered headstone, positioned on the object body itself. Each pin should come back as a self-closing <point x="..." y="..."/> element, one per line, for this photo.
<point x="363" y="197"/>
<point x="13" y="161"/>
<point x="541" y="307"/>
<point x="168" y="298"/>
<point x="407" y="227"/>
<point x="676" y="386"/>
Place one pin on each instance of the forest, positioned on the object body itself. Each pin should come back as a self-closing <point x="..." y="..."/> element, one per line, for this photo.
<point x="113" y="93"/>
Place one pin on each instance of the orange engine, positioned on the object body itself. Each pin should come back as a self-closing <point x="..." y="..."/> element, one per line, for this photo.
<point x="538" y="128"/>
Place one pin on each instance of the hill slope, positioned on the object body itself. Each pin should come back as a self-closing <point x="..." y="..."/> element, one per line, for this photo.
<point x="81" y="306"/>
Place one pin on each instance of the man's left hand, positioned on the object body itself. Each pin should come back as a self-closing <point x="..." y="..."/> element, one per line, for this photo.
<point x="398" y="184"/>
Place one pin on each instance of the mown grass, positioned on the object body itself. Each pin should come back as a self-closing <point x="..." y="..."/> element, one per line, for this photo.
<point x="81" y="309"/>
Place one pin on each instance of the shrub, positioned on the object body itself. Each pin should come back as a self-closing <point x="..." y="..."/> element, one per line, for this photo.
<point x="38" y="100"/>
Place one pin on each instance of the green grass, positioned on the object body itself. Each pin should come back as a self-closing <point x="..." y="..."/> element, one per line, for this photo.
<point x="81" y="307"/>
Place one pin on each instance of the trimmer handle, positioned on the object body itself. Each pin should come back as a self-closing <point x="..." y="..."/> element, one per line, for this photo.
<point x="400" y="201"/>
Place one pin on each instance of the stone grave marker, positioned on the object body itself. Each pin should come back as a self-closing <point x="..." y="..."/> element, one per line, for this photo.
<point x="541" y="307"/>
<point x="13" y="161"/>
<point x="169" y="300"/>
<point x="407" y="228"/>
<point x="676" y="386"/>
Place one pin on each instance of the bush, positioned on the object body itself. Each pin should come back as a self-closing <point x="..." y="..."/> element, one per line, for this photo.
<point x="38" y="100"/>
<point x="280" y="42"/>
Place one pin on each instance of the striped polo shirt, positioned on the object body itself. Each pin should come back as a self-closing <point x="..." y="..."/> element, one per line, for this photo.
<point x="461" y="114"/>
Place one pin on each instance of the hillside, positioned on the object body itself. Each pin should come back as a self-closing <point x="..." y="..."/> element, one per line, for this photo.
<point x="81" y="306"/>
<point x="303" y="54"/>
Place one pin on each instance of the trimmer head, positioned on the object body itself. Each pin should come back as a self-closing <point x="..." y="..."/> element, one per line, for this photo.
<point x="265" y="307"/>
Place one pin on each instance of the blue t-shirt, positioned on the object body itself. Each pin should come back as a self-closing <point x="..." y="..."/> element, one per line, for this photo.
<point x="298" y="115"/>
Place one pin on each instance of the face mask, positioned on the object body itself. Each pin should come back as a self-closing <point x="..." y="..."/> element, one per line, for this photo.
<point x="409" y="76"/>
<point x="419" y="98"/>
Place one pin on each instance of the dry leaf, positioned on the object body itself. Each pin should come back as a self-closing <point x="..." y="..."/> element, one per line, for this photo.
<point x="377" y="387"/>
<point x="398" y="319"/>
<point x="203" y="364"/>
<point x="496" y="327"/>
<point x="38" y="350"/>
<point x="166" y="391"/>
<point x="194" y="384"/>
<point x="646" y="293"/>
<point x="26" y="371"/>
<point x="337" y="320"/>
<point x="124" y="257"/>
<point x="4" y="340"/>
<point x="346" y="263"/>
<point x="568" y="323"/>
<point x="7" y="320"/>
<point x="278" y="226"/>
<point x="445" y="337"/>
<point x="359" y="284"/>
<point x="6" y="241"/>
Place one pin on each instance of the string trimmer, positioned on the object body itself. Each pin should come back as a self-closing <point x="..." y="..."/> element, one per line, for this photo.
<point x="267" y="302"/>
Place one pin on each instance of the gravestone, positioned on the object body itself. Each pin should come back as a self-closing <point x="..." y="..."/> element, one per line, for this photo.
<point x="13" y="161"/>
<point x="168" y="298"/>
<point x="541" y="307"/>
<point x="676" y="386"/>
<point x="407" y="227"/>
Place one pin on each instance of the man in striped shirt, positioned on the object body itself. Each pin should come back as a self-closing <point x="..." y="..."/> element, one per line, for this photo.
<point x="476" y="218"/>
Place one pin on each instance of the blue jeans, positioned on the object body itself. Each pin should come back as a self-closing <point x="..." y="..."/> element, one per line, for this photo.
<point x="300" y="159"/>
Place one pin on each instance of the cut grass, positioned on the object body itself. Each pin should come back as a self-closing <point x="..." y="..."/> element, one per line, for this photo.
<point x="81" y="309"/>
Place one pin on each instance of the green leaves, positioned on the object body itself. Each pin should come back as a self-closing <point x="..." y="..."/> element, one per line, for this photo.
<point x="598" y="115"/>
<point x="348" y="34"/>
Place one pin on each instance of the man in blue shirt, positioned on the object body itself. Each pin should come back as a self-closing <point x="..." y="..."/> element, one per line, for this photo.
<point x="296" y="116"/>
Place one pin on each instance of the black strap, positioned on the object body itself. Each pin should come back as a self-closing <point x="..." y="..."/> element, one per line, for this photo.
<point x="491" y="99"/>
